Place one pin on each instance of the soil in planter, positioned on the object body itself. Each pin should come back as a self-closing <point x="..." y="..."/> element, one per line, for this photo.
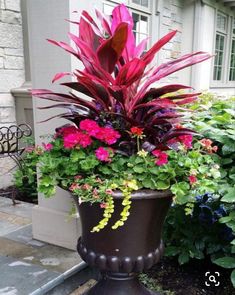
<point x="188" y="279"/>
<point x="19" y="196"/>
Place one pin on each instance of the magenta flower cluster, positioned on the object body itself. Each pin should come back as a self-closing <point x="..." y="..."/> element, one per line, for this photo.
<point x="83" y="136"/>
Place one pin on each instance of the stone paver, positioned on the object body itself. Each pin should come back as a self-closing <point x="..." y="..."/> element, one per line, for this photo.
<point x="84" y="288"/>
<point x="27" y="264"/>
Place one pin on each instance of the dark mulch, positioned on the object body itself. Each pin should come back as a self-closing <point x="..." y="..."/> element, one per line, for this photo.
<point x="189" y="279"/>
<point x="13" y="193"/>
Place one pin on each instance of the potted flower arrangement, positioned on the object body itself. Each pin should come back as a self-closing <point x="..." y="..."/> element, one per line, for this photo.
<point x="126" y="154"/>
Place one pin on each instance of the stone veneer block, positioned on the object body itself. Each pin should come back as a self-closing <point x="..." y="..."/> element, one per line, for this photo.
<point x="6" y="100"/>
<point x="1" y="62"/>
<point x="10" y="79"/>
<point x="11" y="35"/>
<point x="13" y="51"/>
<point x="7" y="114"/>
<point x="14" y="62"/>
<point x="12" y="5"/>
<point x="11" y="17"/>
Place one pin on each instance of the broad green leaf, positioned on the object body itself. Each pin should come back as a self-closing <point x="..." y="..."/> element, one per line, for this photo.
<point x="171" y="251"/>
<point x="138" y="169"/>
<point x="225" y="219"/>
<point x="226" y="262"/>
<point x="163" y="185"/>
<point x="230" y="196"/>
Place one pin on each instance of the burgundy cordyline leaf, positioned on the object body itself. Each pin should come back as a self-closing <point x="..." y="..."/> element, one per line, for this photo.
<point x="65" y="46"/>
<point x="110" y="50"/>
<point x="104" y="22"/>
<point x="177" y="132"/>
<point x="141" y="47"/>
<point x="87" y="34"/>
<point x="84" y="48"/>
<point x="121" y="14"/>
<point x="149" y="55"/>
<point x="47" y="94"/>
<point x="60" y="75"/>
<point x="171" y="67"/>
<point x="130" y="72"/>
<point x="157" y="92"/>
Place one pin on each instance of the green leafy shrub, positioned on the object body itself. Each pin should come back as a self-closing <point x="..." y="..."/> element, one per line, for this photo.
<point x="211" y="226"/>
<point x="25" y="177"/>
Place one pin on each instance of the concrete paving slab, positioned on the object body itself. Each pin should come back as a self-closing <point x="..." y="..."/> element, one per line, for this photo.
<point x="20" y="209"/>
<point x="24" y="235"/>
<point x="21" y="278"/>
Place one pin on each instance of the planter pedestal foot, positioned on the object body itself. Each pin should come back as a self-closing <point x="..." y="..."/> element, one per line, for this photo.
<point x="119" y="284"/>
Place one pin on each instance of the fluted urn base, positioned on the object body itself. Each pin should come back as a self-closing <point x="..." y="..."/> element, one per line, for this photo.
<point x="122" y="253"/>
<point x="120" y="284"/>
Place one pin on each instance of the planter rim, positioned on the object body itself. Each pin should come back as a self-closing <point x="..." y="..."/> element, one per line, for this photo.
<point x="144" y="194"/>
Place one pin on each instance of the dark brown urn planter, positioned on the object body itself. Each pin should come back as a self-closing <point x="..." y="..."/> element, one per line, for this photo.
<point x="123" y="253"/>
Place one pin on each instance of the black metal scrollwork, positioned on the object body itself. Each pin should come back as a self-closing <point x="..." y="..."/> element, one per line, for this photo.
<point x="10" y="141"/>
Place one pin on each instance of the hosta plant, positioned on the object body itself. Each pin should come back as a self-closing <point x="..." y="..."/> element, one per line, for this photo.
<point x="126" y="129"/>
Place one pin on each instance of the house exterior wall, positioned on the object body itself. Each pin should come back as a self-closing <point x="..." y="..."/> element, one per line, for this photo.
<point x="11" y="71"/>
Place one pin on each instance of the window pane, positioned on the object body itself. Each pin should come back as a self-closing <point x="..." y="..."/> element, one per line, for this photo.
<point x="108" y="9"/>
<point x="218" y="61"/>
<point x="136" y="1"/>
<point x="136" y="19"/>
<point x="145" y="3"/>
<point x="143" y="24"/>
<point x="221" y="22"/>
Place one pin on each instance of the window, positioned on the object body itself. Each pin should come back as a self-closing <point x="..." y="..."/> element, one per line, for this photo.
<point x="141" y="16"/>
<point x="220" y="38"/>
<point x="232" y="57"/>
<point x="224" y="61"/>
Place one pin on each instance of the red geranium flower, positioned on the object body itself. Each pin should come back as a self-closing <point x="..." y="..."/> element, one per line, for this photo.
<point x="192" y="179"/>
<point x="137" y="131"/>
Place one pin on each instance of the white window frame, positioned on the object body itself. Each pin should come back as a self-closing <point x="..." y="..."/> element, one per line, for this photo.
<point x="224" y="82"/>
<point x="230" y="51"/>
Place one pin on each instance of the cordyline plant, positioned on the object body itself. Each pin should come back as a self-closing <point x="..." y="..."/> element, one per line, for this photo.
<point x="120" y="108"/>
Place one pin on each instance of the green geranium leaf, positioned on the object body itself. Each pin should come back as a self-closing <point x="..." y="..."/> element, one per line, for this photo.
<point x="230" y="196"/>
<point x="163" y="185"/>
<point x="138" y="169"/>
<point x="226" y="262"/>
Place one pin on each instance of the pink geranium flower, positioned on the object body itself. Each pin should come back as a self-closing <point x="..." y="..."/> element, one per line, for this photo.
<point x="186" y="140"/>
<point x="90" y="126"/>
<point x="162" y="158"/>
<point x="102" y="154"/>
<point x="47" y="146"/>
<point x="110" y="136"/>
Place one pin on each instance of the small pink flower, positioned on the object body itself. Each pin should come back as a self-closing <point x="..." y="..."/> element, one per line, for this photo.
<point x="192" y="179"/>
<point x="186" y="140"/>
<point x="74" y="186"/>
<point x="85" y="140"/>
<point x="77" y="177"/>
<point x="29" y="149"/>
<point x="47" y="146"/>
<point x="109" y="191"/>
<point x="102" y="154"/>
<point x="86" y="186"/>
<point x="66" y="130"/>
<point x="162" y="158"/>
<point x="108" y="135"/>
<point x="103" y="205"/>
<point x="70" y="140"/>
<point x="90" y="126"/>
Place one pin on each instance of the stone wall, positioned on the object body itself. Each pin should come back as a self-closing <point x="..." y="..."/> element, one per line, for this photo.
<point x="11" y="70"/>
<point x="172" y="19"/>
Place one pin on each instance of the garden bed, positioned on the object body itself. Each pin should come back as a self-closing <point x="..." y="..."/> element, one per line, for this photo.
<point x="170" y="278"/>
